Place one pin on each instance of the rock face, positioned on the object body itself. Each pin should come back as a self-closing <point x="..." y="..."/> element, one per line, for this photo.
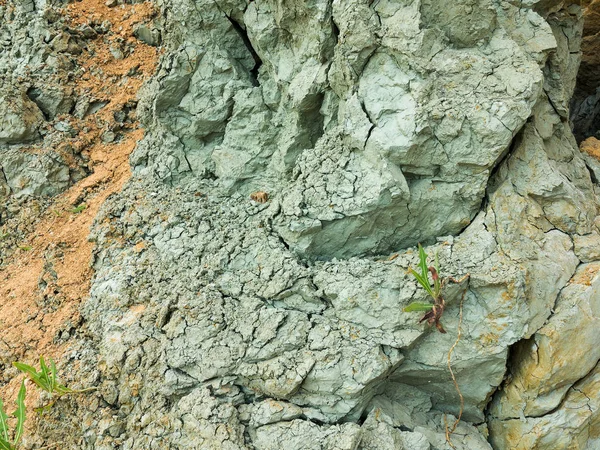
<point x="555" y="379"/>
<point x="216" y="321"/>
<point x="366" y="121"/>
<point x="34" y="162"/>
<point x="586" y="101"/>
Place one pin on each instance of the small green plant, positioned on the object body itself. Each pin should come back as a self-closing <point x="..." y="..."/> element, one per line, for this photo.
<point x="25" y="248"/>
<point x="435" y="310"/>
<point x="79" y="208"/>
<point x="46" y="379"/>
<point x="433" y="314"/>
<point x="6" y="443"/>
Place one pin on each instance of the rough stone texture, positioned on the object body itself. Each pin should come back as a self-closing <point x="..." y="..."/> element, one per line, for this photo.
<point x="587" y="248"/>
<point x="219" y="322"/>
<point x="400" y="124"/>
<point x="574" y="424"/>
<point x="371" y="128"/>
<point x="21" y="119"/>
<point x="35" y="65"/>
<point x="562" y="352"/>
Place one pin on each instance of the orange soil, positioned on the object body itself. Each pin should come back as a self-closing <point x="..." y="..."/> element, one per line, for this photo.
<point x="61" y="238"/>
<point x="592" y="147"/>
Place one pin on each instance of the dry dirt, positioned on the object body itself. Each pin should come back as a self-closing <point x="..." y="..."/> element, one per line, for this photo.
<point x="49" y="276"/>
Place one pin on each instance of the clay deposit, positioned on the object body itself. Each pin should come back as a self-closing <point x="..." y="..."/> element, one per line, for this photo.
<point x="256" y="176"/>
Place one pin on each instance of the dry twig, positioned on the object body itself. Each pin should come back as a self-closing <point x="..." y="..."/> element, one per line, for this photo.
<point x="449" y="430"/>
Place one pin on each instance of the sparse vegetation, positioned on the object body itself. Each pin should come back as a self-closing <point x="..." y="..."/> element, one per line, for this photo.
<point x="8" y="440"/>
<point x="46" y="379"/>
<point x="433" y="314"/>
<point x="79" y="208"/>
<point x="435" y="310"/>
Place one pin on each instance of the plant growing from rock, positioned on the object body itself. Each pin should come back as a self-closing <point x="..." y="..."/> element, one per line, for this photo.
<point x="6" y="442"/>
<point x="433" y="314"/>
<point x="46" y="379"/>
<point x="79" y="208"/>
<point x="435" y="310"/>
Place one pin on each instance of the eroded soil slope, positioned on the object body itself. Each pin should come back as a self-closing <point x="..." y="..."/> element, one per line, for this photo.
<point x="45" y="269"/>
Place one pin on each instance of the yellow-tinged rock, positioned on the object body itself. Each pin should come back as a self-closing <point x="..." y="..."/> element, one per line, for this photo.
<point x="559" y="354"/>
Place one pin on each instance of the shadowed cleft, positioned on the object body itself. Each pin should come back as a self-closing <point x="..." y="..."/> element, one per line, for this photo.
<point x="257" y="61"/>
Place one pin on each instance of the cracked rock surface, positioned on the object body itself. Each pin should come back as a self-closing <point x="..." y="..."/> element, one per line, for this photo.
<point x="220" y="321"/>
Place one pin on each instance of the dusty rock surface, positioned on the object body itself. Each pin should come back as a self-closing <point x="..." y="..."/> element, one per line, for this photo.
<point x="247" y="283"/>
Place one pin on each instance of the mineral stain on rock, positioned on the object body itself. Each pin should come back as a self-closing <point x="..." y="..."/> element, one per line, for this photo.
<point x="240" y="295"/>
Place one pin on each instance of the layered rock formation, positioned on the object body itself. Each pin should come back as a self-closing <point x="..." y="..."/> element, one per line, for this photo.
<point x="218" y="321"/>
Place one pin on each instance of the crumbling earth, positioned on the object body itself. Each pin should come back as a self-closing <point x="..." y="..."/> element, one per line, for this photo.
<point x="215" y="318"/>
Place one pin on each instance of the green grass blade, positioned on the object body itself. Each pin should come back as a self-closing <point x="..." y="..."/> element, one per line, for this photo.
<point x="437" y="288"/>
<point x="43" y="367"/>
<point x="20" y="413"/>
<point x="424" y="282"/>
<point x="423" y="261"/>
<point x="3" y="423"/>
<point x="416" y="306"/>
<point x="55" y="384"/>
<point x="64" y="390"/>
<point x="5" y="445"/>
<point x="27" y="369"/>
<point x="46" y="375"/>
<point x="33" y="375"/>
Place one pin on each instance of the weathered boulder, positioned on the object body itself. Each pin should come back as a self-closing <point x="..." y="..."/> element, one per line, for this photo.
<point x="28" y="174"/>
<point x="20" y="118"/>
<point x="562" y="352"/>
<point x="250" y="278"/>
<point x="52" y="100"/>
<point x="370" y="127"/>
<point x="573" y="425"/>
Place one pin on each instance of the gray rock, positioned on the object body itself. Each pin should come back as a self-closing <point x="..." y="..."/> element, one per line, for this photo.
<point x="573" y="424"/>
<point x="144" y="33"/>
<point x="216" y="321"/>
<point x="405" y="123"/>
<point x="587" y="248"/>
<point x="307" y="436"/>
<point x="20" y="118"/>
<point x="34" y="175"/>
<point x="52" y="101"/>
<point x="562" y="352"/>
<point x="108" y="137"/>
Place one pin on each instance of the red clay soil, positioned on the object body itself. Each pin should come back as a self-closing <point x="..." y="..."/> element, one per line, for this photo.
<point x="33" y="313"/>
